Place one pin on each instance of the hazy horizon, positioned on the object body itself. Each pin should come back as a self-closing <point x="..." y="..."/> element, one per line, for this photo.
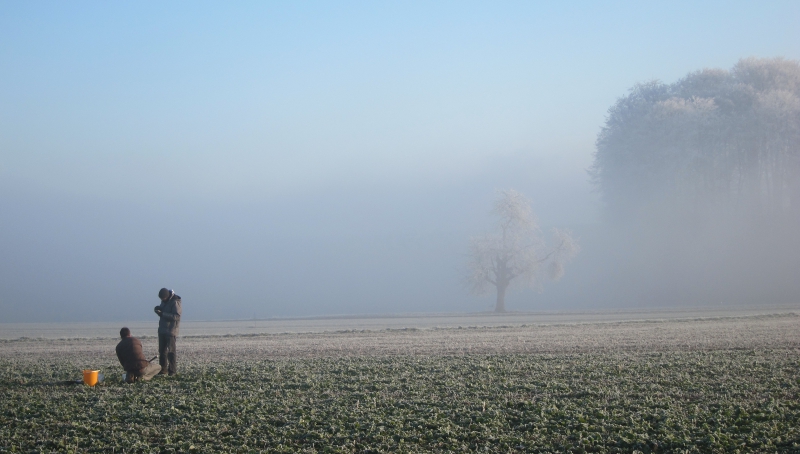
<point x="279" y="160"/>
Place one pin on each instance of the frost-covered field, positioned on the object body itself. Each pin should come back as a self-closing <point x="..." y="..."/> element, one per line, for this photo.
<point x="191" y="327"/>
<point x="720" y="333"/>
<point x="691" y="384"/>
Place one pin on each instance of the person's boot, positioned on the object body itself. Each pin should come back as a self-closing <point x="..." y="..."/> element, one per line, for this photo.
<point x="162" y="361"/>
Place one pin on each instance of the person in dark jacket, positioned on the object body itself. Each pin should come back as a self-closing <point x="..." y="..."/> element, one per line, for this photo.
<point x="129" y="353"/>
<point x="169" y="312"/>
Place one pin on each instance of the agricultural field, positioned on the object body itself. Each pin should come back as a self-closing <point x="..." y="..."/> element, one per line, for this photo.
<point x="720" y="384"/>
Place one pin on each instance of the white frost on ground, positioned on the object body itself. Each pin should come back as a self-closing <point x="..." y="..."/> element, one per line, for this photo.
<point x="776" y="331"/>
<point x="373" y="323"/>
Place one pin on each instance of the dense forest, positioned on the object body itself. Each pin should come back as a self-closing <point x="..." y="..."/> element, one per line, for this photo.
<point x="715" y="140"/>
<point x="700" y="182"/>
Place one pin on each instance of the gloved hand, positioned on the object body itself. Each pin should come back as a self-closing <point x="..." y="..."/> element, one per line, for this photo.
<point x="157" y="310"/>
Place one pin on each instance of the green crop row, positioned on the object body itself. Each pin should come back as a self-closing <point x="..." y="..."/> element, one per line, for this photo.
<point x="704" y="401"/>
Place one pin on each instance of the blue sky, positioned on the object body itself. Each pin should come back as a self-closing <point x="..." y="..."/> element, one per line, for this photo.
<point x="285" y="96"/>
<point x="192" y="106"/>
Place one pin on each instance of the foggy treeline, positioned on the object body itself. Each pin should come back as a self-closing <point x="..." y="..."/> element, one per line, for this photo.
<point x="713" y="138"/>
<point x="700" y="182"/>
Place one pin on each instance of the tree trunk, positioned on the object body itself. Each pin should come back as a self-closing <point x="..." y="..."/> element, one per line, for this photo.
<point x="502" y="279"/>
<point x="501" y="298"/>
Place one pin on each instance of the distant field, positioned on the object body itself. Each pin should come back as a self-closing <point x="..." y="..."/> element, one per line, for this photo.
<point x="722" y="383"/>
<point x="191" y="327"/>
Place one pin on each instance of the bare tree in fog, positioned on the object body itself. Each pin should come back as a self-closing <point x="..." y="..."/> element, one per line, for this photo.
<point x="516" y="251"/>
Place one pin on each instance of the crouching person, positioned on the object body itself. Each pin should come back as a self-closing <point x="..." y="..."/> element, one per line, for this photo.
<point x="129" y="353"/>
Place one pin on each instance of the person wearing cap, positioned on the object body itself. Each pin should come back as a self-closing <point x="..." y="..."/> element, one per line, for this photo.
<point x="129" y="353"/>
<point x="169" y="312"/>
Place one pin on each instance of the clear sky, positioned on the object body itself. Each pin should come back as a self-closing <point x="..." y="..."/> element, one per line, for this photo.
<point x="151" y="108"/>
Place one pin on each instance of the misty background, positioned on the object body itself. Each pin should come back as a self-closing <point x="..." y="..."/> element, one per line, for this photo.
<point x="274" y="160"/>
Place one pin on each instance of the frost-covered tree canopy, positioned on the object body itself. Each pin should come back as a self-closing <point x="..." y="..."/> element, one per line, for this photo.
<point x="714" y="137"/>
<point x="701" y="184"/>
<point x="516" y="252"/>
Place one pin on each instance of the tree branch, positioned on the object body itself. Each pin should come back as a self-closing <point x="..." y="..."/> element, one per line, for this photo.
<point x="550" y="254"/>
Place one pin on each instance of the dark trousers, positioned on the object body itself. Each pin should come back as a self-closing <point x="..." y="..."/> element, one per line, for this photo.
<point x="166" y="353"/>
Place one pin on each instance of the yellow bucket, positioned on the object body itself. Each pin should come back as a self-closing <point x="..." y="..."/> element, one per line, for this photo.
<point x="90" y="376"/>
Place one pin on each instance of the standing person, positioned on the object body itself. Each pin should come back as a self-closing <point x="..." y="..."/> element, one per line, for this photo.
<point x="129" y="353"/>
<point x="169" y="312"/>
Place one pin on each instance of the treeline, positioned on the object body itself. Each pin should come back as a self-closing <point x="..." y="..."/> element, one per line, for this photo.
<point x="700" y="181"/>
<point x="715" y="141"/>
